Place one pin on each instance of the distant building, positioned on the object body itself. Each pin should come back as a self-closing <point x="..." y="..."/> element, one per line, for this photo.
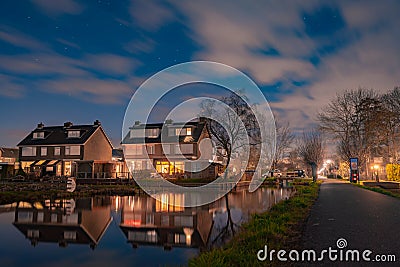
<point x="120" y="169"/>
<point x="8" y="162"/>
<point x="8" y="154"/>
<point x="83" y="151"/>
<point x="173" y="149"/>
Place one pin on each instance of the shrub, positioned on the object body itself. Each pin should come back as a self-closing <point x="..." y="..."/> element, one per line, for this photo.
<point x="393" y="172"/>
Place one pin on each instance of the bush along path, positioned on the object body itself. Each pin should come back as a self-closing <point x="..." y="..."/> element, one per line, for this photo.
<point x="279" y="228"/>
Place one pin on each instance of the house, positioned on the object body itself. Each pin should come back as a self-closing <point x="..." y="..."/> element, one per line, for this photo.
<point x="80" y="221"/>
<point x="8" y="154"/>
<point x="149" y="222"/>
<point x="174" y="150"/>
<point x="8" y="162"/>
<point x="83" y="151"/>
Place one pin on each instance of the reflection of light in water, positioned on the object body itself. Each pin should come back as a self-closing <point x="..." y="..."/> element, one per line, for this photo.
<point x="170" y="202"/>
<point x="188" y="233"/>
<point x="117" y="203"/>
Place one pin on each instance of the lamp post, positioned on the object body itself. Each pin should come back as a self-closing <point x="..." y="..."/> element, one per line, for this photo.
<point x="376" y="169"/>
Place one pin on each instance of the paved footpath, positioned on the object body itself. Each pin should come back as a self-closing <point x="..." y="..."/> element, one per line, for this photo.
<point x="365" y="219"/>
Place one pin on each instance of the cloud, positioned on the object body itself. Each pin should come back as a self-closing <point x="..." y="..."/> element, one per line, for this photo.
<point x="372" y="60"/>
<point x="142" y="45"/>
<point x="241" y="34"/>
<point x="68" y="43"/>
<point x="150" y="14"/>
<point x="11" y="87"/>
<point x="41" y="64"/>
<point x="99" y="78"/>
<point x="59" y="7"/>
<point x="16" y="38"/>
<point x="110" y="63"/>
<point x="105" y="91"/>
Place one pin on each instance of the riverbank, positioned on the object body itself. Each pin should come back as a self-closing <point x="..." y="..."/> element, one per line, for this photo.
<point x="12" y="192"/>
<point x="278" y="228"/>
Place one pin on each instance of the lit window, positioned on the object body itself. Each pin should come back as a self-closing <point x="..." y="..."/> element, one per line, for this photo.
<point x="38" y="135"/>
<point x="183" y="131"/>
<point x="29" y="151"/>
<point x="179" y="131"/>
<point x="57" y="151"/>
<point x="72" y="150"/>
<point x="43" y="151"/>
<point x="74" y="134"/>
<point x="70" y="235"/>
<point x="179" y="239"/>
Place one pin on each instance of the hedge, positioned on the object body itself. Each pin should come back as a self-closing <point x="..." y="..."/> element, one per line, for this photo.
<point x="393" y="172"/>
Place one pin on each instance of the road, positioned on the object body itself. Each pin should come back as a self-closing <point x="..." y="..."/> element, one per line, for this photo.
<point x="365" y="219"/>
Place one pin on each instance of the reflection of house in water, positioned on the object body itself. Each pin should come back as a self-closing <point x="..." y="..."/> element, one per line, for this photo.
<point x="81" y="221"/>
<point x="146" y="221"/>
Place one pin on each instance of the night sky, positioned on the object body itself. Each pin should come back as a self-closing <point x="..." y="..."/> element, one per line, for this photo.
<point x="65" y="60"/>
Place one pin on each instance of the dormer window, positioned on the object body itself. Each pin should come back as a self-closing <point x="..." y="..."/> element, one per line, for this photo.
<point x="152" y="133"/>
<point x="74" y="134"/>
<point x="183" y="131"/>
<point x="38" y="135"/>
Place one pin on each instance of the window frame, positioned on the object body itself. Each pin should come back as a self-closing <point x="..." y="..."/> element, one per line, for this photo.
<point x="43" y="148"/>
<point x="38" y="135"/>
<point x="72" y="150"/>
<point x="32" y="149"/>
<point x="74" y="134"/>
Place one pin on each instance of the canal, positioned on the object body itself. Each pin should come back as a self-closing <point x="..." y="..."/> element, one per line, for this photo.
<point x="123" y="230"/>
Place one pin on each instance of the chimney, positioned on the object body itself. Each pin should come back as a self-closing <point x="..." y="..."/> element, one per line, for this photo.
<point x="67" y="124"/>
<point x="169" y="121"/>
<point x="97" y="123"/>
<point x="137" y="123"/>
<point x="40" y="126"/>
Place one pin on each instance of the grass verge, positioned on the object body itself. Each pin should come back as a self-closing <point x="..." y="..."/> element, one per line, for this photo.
<point x="379" y="190"/>
<point x="279" y="228"/>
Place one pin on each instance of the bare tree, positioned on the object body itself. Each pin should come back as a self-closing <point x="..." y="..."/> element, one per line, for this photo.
<point x="353" y="119"/>
<point x="239" y="124"/>
<point x="284" y="141"/>
<point x="311" y="150"/>
<point x="391" y="123"/>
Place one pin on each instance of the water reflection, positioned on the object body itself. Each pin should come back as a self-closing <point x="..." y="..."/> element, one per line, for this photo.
<point x="146" y="221"/>
<point x="68" y="221"/>
<point x="111" y="223"/>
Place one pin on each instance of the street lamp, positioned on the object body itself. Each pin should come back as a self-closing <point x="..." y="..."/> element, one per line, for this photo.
<point x="376" y="168"/>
